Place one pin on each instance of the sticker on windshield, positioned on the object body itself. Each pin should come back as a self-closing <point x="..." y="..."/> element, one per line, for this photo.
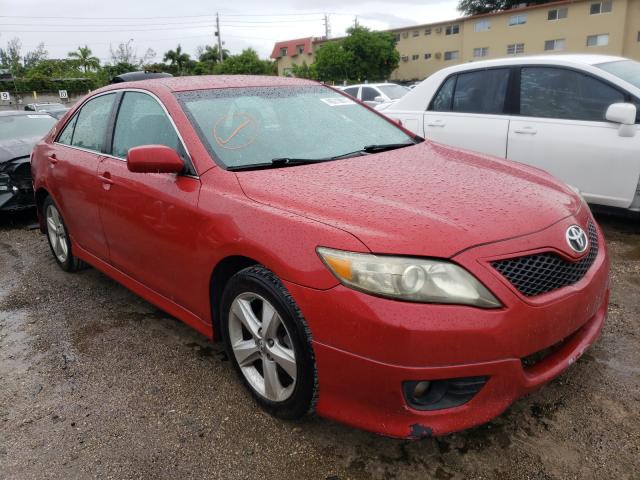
<point x="337" y="101"/>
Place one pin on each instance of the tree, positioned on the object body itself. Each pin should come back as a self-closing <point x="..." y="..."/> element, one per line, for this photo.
<point x="362" y="55"/>
<point x="247" y="63"/>
<point x="177" y="58"/>
<point x="208" y="53"/>
<point x="85" y="59"/>
<point x="11" y="56"/>
<point x="124" y="53"/>
<point x="304" y="71"/>
<point x="33" y="57"/>
<point x="477" y="7"/>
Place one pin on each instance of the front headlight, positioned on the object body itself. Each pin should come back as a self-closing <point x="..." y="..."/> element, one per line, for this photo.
<point x="411" y="279"/>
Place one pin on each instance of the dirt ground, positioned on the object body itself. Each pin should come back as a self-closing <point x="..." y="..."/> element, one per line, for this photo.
<point x="95" y="382"/>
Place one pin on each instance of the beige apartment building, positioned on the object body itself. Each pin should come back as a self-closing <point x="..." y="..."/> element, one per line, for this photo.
<point x="609" y="27"/>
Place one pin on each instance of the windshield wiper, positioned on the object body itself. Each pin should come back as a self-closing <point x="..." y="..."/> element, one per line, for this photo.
<point x="286" y="161"/>
<point x="383" y="147"/>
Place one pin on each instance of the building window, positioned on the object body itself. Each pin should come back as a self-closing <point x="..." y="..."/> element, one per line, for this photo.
<point x="415" y="57"/>
<point x="427" y="56"/>
<point x="517" y="19"/>
<point x="515" y="48"/>
<point x="405" y="58"/>
<point x="283" y="52"/>
<point x="396" y="36"/>
<point x="416" y="33"/>
<point x="453" y="55"/>
<point x="300" y="49"/>
<point x="638" y="37"/>
<point x="452" y="29"/>
<point x="600" y="40"/>
<point x="601" y="7"/>
<point x="557" y="13"/>
<point x="480" y="52"/>
<point x="405" y="34"/>
<point x="550" y="45"/>
<point x="427" y="31"/>
<point x="482" y="26"/>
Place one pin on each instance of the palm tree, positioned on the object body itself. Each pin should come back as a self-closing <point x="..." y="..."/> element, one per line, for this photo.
<point x="177" y="58"/>
<point x="210" y="53"/>
<point x="85" y="59"/>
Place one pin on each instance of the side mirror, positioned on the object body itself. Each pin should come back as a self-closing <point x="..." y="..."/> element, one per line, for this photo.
<point x="379" y="99"/>
<point x="625" y="115"/>
<point x="154" y="159"/>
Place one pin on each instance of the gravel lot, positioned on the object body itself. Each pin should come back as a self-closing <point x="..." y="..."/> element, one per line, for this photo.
<point x="95" y="382"/>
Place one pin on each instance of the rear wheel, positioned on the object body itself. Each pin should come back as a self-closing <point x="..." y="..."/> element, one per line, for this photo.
<point x="268" y="342"/>
<point x="58" y="237"/>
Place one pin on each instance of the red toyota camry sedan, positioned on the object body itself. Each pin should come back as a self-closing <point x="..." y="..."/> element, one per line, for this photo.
<point x="350" y="268"/>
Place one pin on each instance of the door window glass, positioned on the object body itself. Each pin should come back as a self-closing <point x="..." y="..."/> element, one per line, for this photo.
<point x="442" y="101"/>
<point x="481" y="92"/>
<point x="369" y="94"/>
<point x="142" y="121"/>
<point x="353" y="91"/>
<point x="67" y="134"/>
<point x="559" y="93"/>
<point x="91" y="127"/>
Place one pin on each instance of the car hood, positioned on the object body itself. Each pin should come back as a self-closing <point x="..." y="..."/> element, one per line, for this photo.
<point x="16" y="148"/>
<point x="428" y="200"/>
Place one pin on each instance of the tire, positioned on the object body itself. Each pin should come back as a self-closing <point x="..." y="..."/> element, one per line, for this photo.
<point x="253" y="298"/>
<point x="58" y="237"/>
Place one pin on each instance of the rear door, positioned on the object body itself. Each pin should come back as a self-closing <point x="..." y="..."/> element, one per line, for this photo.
<point x="148" y="218"/>
<point x="469" y="111"/>
<point x="74" y="172"/>
<point x="562" y="129"/>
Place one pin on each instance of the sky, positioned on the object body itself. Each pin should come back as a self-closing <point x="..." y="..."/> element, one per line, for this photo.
<point x="161" y="25"/>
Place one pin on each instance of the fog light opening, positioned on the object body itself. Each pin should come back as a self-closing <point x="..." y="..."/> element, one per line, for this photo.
<point x="421" y="389"/>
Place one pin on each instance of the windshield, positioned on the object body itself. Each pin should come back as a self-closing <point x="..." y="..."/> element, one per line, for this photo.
<point x="394" y="92"/>
<point x="627" y="70"/>
<point x="25" y="126"/>
<point x="253" y="126"/>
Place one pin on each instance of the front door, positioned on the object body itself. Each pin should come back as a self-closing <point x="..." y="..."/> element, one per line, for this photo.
<point x="562" y="129"/>
<point x="148" y="218"/>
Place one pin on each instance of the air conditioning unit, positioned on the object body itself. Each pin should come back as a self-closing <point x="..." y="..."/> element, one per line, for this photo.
<point x="438" y="55"/>
<point x="439" y="30"/>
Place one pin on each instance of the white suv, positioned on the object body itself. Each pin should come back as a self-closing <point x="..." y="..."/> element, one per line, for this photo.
<point x="572" y="115"/>
<point x="376" y="93"/>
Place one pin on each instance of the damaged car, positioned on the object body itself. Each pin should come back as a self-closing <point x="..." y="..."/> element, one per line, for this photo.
<point x="19" y="131"/>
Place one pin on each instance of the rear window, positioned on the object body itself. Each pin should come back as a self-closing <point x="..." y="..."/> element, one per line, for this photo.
<point x="25" y="126"/>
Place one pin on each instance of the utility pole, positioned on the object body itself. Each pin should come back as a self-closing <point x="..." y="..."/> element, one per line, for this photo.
<point x="327" y="27"/>
<point x="355" y="22"/>
<point x="218" y="35"/>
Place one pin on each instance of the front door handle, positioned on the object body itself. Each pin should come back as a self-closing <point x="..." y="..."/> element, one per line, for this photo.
<point x="436" y="123"/>
<point x="526" y="131"/>
<point x="105" y="178"/>
<point x="53" y="159"/>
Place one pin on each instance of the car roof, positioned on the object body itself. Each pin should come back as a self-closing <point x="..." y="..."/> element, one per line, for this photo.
<point x="21" y="113"/>
<point x="206" y="82"/>
<point x="571" y="59"/>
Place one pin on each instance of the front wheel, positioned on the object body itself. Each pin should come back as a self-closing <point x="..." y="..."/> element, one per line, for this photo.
<point x="58" y="237"/>
<point x="269" y="342"/>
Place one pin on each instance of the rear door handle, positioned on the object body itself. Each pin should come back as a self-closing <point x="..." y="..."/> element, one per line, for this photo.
<point x="526" y="131"/>
<point x="436" y="123"/>
<point x="53" y="159"/>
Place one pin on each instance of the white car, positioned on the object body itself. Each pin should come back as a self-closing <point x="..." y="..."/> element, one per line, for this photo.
<point x="575" y="116"/>
<point x="374" y="94"/>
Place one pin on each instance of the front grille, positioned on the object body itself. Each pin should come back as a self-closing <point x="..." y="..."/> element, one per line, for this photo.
<point x="541" y="273"/>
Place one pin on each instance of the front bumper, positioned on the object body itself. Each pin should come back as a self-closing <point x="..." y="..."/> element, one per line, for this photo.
<point x="366" y="347"/>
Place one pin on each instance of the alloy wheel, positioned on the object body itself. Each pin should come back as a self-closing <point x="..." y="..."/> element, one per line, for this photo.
<point x="262" y="347"/>
<point x="57" y="234"/>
